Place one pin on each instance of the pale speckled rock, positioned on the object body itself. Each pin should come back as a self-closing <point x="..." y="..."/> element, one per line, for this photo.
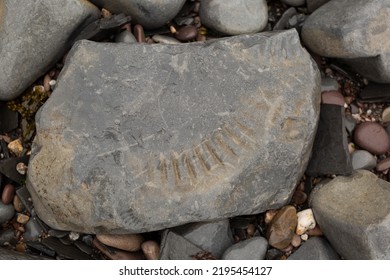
<point x="251" y="249"/>
<point x="360" y="227"/>
<point x="34" y="35"/>
<point x="234" y="17"/>
<point x="354" y="31"/>
<point x="305" y="221"/>
<point x="198" y="132"/>
<point x="149" y="13"/>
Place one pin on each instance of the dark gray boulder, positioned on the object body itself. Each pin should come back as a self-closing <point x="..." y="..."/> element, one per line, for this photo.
<point x="354" y="214"/>
<point x="149" y="13"/>
<point x="34" y="35"/>
<point x="356" y="32"/>
<point x="139" y="137"/>
<point x="316" y="248"/>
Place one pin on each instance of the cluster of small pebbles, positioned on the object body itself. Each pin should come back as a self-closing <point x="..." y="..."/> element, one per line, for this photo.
<point x="283" y="231"/>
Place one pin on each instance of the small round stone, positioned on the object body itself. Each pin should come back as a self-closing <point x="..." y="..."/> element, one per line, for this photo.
<point x="299" y="197"/>
<point x="125" y="37"/>
<point x="16" y="147"/>
<point x="22" y="218"/>
<point x="316" y="231"/>
<point x="386" y="115"/>
<point x="139" y="33"/>
<point x="281" y="230"/>
<point x="151" y="250"/>
<point x="362" y="159"/>
<point x="127" y="242"/>
<point x="18" y="205"/>
<point x="7" y="211"/>
<point x="8" y="194"/>
<point x="383" y="164"/>
<point x="186" y="33"/>
<point x="296" y="241"/>
<point x="269" y="215"/>
<point x="305" y="221"/>
<point x="372" y="137"/>
<point x="333" y="98"/>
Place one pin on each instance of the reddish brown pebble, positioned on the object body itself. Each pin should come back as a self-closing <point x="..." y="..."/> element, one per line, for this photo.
<point x="383" y="164"/>
<point x="8" y="194"/>
<point x="282" y="228"/>
<point x="151" y="250"/>
<point x="332" y="97"/>
<point x="126" y="242"/>
<point x="316" y="231"/>
<point x="115" y="254"/>
<point x="372" y="137"/>
<point x="299" y="197"/>
<point x="46" y="82"/>
<point x="139" y="33"/>
<point x="18" y="205"/>
<point x="186" y="33"/>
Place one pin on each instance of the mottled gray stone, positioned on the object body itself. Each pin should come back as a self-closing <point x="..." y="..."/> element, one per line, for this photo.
<point x="354" y="214"/>
<point x="7" y="211"/>
<point x="214" y="237"/>
<point x="316" y="248"/>
<point x="34" y="35"/>
<point x="149" y="13"/>
<point x="330" y="153"/>
<point x="234" y="17"/>
<point x="354" y="31"/>
<point x="196" y="132"/>
<point x="313" y="5"/>
<point x="362" y="159"/>
<point x="251" y="249"/>
<point x="176" y="247"/>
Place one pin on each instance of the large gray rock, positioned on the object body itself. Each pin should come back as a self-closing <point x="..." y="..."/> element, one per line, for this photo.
<point x="251" y="249"/>
<point x="316" y="248"/>
<point x="139" y="137"/>
<point x="354" y="214"/>
<point x="149" y="13"/>
<point x="34" y="35"/>
<point x="234" y="17"/>
<point x="356" y="32"/>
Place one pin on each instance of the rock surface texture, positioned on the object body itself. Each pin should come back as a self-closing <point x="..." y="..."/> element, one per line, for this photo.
<point x="34" y="35"/>
<point x="149" y="13"/>
<point x="193" y="132"/>
<point x="355" y="230"/>
<point x="316" y="248"/>
<point x="234" y="17"/>
<point x="354" y="31"/>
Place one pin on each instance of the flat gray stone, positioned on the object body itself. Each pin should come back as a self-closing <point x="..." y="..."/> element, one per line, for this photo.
<point x="34" y="35"/>
<point x="148" y="13"/>
<point x="176" y="247"/>
<point x="233" y="17"/>
<point x="251" y="249"/>
<point x="7" y="211"/>
<point x="354" y="31"/>
<point x="214" y="237"/>
<point x="354" y="214"/>
<point x="315" y="248"/>
<point x="361" y="159"/>
<point x="196" y="132"/>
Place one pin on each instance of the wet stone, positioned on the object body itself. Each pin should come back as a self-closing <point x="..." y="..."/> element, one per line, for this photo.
<point x="315" y="248"/>
<point x="214" y="237"/>
<point x="233" y="17"/>
<point x="330" y="153"/>
<point x="362" y="159"/>
<point x="356" y="230"/>
<point x="372" y="137"/>
<point x="282" y="228"/>
<point x="49" y="28"/>
<point x="254" y="102"/>
<point x="251" y="249"/>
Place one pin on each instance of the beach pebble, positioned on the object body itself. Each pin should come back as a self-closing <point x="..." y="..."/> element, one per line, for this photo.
<point x="383" y="164"/>
<point x="329" y="84"/>
<point x="251" y="249"/>
<point x="8" y="194"/>
<point x="186" y="33"/>
<point x="126" y="242"/>
<point x="125" y="37"/>
<point x="18" y="205"/>
<point x="165" y="39"/>
<point x="22" y="218"/>
<point x="233" y="17"/>
<point x="7" y="211"/>
<point x="362" y="159"/>
<point x="305" y="221"/>
<point x="386" y="115"/>
<point x="151" y="250"/>
<point x="16" y="147"/>
<point x="296" y="241"/>
<point x="332" y="97"/>
<point x="281" y="230"/>
<point x="372" y="137"/>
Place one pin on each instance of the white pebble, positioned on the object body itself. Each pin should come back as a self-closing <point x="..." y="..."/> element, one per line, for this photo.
<point x="304" y="237"/>
<point x="52" y="82"/>
<point x="305" y="221"/>
<point x="74" y="236"/>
